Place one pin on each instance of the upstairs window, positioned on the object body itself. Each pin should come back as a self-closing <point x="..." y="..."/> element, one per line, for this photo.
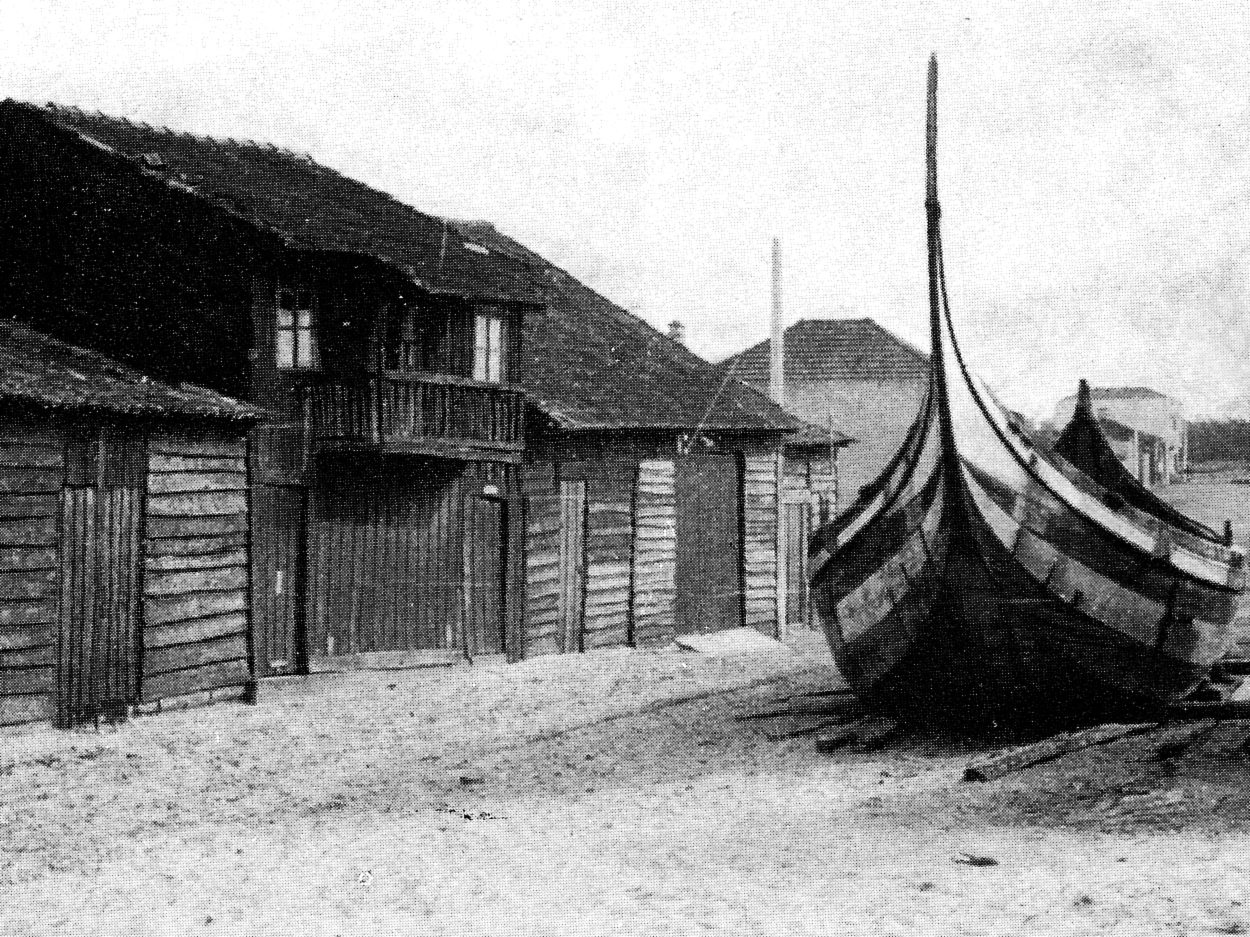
<point x="488" y="338"/>
<point x="295" y="342"/>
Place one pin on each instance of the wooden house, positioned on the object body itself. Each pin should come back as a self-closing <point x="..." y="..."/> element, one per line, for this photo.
<point x="866" y="380"/>
<point x="656" y="483"/>
<point x="123" y="536"/>
<point x="382" y="343"/>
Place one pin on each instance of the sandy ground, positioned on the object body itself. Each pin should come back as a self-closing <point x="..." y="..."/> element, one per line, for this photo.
<point x="607" y="793"/>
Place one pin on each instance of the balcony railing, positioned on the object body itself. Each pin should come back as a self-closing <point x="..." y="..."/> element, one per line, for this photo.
<point x="424" y="414"/>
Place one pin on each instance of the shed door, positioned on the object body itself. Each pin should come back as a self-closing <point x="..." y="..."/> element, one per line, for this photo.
<point x="485" y="563"/>
<point x="279" y="549"/>
<point x="709" y="543"/>
<point x="97" y="666"/>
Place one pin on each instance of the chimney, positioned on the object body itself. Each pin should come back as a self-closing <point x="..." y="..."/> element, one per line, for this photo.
<point x="777" y="345"/>
<point x="677" y="332"/>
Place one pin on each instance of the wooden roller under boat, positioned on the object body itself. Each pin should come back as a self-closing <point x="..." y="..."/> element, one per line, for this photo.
<point x="981" y="581"/>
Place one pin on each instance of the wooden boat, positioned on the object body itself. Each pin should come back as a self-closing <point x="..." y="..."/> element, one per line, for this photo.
<point x="982" y="581"/>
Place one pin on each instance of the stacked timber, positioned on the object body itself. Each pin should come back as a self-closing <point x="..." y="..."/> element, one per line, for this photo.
<point x="655" y="553"/>
<point x="31" y="470"/>
<point x="195" y="608"/>
<point x="609" y="545"/>
<point x="760" y="510"/>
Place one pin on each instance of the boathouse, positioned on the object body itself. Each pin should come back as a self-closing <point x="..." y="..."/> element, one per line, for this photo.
<point x="656" y="484"/>
<point x="866" y="380"/>
<point x="123" y="537"/>
<point x="383" y="345"/>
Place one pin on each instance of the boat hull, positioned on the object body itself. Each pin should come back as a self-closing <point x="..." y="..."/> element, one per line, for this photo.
<point x="974" y="642"/>
<point x="980" y="583"/>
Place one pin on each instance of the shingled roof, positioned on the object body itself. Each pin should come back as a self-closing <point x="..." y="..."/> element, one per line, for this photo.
<point x="306" y="205"/>
<point x="589" y="364"/>
<point x="829" y="349"/>
<point x="39" y="371"/>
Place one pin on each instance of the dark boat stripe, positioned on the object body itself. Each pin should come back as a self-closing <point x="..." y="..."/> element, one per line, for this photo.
<point x="872" y="547"/>
<point x="1235" y="581"/>
<point x="1043" y="516"/>
<point x="1088" y="592"/>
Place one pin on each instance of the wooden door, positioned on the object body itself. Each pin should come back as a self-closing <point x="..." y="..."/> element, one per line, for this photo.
<point x="709" y="543"/>
<point x="572" y="565"/>
<point x="795" y="535"/>
<point x="97" y="664"/>
<point x="485" y="565"/>
<point x="279" y="560"/>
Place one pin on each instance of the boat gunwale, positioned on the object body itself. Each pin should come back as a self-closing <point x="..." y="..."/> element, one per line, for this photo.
<point x="1235" y="558"/>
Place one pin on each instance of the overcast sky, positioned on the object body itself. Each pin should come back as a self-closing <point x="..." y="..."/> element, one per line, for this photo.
<point x="1092" y="158"/>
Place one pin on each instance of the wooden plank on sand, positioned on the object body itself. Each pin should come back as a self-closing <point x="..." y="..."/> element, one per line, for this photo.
<point x="1020" y="757"/>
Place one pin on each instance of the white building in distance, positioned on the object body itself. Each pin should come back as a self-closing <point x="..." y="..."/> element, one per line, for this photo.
<point x="1146" y="429"/>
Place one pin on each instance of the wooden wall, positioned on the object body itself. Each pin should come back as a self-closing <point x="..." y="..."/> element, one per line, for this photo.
<point x="196" y="618"/>
<point x="31" y="472"/>
<point x="413" y="555"/>
<point x="609" y="549"/>
<point x="760" y="542"/>
<point x="76" y="551"/>
<point x="655" y="553"/>
<point x="632" y="544"/>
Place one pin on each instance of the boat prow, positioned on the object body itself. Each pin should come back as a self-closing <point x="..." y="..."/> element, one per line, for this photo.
<point x="982" y="581"/>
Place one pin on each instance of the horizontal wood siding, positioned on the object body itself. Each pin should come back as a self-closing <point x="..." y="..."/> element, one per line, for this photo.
<point x="542" y="573"/>
<point x="31" y="469"/>
<point x="195" y="634"/>
<point x="609" y="550"/>
<point x="760" y="542"/>
<point x="655" y="553"/>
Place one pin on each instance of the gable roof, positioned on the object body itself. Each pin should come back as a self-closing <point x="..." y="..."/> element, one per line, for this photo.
<point x="828" y="349"/>
<point x="589" y="364"/>
<point x="304" y="204"/>
<point x="41" y="371"/>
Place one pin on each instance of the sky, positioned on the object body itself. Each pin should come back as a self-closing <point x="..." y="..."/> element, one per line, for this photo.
<point x="1093" y="158"/>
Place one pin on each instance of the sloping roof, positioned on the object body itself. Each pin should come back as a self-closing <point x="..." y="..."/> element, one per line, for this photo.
<point x="43" y="372"/>
<point x="1125" y="393"/>
<point x="306" y="205"/>
<point x="812" y="435"/>
<point x="589" y="364"/>
<point x="828" y="349"/>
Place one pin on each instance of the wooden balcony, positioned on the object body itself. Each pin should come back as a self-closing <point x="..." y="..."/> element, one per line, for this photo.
<point x="420" y="414"/>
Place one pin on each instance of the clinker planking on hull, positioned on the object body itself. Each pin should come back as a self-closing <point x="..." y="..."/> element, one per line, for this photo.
<point x="982" y="581"/>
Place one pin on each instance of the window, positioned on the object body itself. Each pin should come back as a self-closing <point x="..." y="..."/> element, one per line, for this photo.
<point x="295" y="344"/>
<point x="488" y="348"/>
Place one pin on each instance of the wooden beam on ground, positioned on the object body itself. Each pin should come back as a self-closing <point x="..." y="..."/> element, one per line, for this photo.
<point x="1020" y="757"/>
<point x="829" y="709"/>
<point x="872" y="732"/>
<point x="814" y="727"/>
<point x="1174" y="741"/>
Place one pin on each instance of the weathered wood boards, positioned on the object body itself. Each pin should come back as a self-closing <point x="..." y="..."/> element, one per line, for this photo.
<point x="195" y="593"/>
<point x="30" y="482"/>
<point x="655" y="553"/>
<point x="413" y="555"/>
<point x="622" y="550"/>
<point x="1048" y="749"/>
<point x="123" y="570"/>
